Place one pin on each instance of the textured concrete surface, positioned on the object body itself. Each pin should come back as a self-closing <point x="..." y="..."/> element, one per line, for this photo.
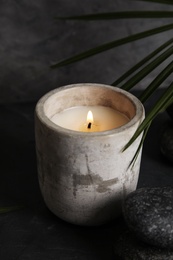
<point x="31" y="40"/>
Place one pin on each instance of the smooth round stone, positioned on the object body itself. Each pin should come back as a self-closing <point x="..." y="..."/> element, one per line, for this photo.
<point x="166" y="144"/>
<point x="148" y="212"/>
<point x="128" y="247"/>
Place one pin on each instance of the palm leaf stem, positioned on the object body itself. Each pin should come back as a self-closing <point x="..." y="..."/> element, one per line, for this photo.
<point x="169" y="2"/>
<point x="140" y="145"/>
<point x="147" y="69"/>
<point x="111" y="45"/>
<point x="141" y="63"/>
<point x="120" y="15"/>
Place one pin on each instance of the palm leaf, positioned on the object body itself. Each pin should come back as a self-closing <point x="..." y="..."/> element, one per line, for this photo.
<point x="169" y="2"/>
<point x="142" y="68"/>
<point x="121" y="15"/>
<point x="156" y="82"/>
<point x="140" y="145"/>
<point x="112" y="45"/>
<point x="160" y="105"/>
<point x="141" y="63"/>
<point x="147" y="69"/>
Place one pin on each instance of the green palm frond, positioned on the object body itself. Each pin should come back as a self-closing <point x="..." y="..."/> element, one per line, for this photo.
<point x="140" y="145"/>
<point x="160" y="105"/>
<point x="156" y="82"/>
<point x="147" y="69"/>
<point x="121" y="15"/>
<point x="141" y="63"/>
<point x="169" y="2"/>
<point x="111" y="45"/>
<point x="143" y="68"/>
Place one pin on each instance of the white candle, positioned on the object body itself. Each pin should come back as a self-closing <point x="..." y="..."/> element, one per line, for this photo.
<point x="82" y="173"/>
<point x="104" y="118"/>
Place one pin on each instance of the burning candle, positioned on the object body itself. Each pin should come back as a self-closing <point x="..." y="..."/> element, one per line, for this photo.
<point x="90" y="118"/>
<point x="83" y="174"/>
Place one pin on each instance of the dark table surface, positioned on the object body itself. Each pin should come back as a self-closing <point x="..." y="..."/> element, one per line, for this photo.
<point x="33" y="232"/>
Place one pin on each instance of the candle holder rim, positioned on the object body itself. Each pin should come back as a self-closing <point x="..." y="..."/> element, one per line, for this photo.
<point x="39" y="111"/>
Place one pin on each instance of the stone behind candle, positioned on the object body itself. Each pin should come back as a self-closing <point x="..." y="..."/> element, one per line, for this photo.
<point x="148" y="212"/>
<point x="166" y="143"/>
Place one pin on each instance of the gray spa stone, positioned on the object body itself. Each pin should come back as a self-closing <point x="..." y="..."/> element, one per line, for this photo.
<point x="148" y="212"/>
<point x="128" y="247"/>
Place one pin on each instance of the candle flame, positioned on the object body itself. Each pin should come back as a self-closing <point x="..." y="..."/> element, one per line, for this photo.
<point x="90" y="117"/>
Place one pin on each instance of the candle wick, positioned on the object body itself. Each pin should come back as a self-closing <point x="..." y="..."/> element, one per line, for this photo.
<point x="89" y="125"/>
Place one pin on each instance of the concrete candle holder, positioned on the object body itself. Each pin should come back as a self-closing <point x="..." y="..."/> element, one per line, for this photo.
<point x="83" y="176"/>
